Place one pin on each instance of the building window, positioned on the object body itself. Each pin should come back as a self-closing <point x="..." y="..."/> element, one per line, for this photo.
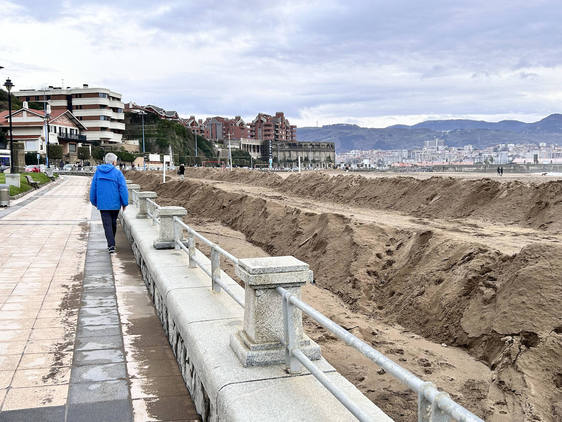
<point x="104" y="118"/>
<point x="71" y="147"/>
<point x="102" y="95"/>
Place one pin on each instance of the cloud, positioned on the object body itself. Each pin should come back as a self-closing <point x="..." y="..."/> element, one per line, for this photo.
<point x="327" y="61"/>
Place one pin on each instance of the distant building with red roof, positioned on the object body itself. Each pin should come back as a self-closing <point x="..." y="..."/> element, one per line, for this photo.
<point x="28" y="126"/>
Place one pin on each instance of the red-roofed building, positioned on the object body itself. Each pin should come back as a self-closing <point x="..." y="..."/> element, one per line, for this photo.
<point x="273" y="128"/>
<point x="28" y="126"/>
<point x="219" y="128"/>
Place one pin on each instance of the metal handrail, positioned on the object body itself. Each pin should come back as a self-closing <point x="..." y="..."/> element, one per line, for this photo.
<point x="433" y="405"/>
<point x="426" y="391"/>
<point x="215" y="271"/>
<point x="135" y="197"/>
<point x="151" y="210"/>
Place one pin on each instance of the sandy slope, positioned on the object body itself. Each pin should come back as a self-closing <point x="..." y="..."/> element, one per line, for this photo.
<point x="469" y="263"/>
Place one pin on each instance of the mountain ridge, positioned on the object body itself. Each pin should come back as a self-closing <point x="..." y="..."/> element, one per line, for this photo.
<point x="455" y="132"/>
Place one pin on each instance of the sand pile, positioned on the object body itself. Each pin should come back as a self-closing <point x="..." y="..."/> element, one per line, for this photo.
<point x="526" y="204"/>
<point x="504" y="309"/>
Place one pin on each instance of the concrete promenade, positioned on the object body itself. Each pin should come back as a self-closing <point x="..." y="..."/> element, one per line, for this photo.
<point x="80" y="340"/>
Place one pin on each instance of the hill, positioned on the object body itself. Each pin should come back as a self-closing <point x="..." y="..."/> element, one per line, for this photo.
<point x="159" y="134"/>
<point x="457" y="132"/>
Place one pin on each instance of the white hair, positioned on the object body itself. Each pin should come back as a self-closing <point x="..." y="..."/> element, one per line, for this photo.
<point x="110" y="158"/>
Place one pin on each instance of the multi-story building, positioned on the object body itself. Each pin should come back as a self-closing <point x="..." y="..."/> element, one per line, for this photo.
<point x="221" y="128"/>
<point x="273" y="128"/>
<point x="196" y="126"/>
<point x="100" y="110"/>
<point x="30" y="127"/>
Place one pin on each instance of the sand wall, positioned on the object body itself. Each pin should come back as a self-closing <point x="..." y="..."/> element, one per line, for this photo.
<point x="504" y="309"/>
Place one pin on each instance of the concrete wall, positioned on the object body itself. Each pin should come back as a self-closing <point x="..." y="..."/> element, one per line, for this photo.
<point x="199" y="324"/>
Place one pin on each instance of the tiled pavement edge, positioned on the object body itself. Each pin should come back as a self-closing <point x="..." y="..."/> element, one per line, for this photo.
<point x="98" y="380"/>
<point x="80" y="339"/>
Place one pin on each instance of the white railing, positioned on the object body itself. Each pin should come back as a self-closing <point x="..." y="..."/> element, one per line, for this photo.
<point x="433" y="405"/>
<point x="216" y="252"/>
<point x="152" y="210"/>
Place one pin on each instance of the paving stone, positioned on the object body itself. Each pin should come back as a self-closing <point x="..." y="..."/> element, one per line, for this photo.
<point x="99" y="320"/>
<point x="98" y="391"/>
<point x="107" y="411"/>
<point x="97" y="331"/>
<point x="96" y="373"/>
<point x="98" y="311"/>
<point x="98" y="302"/>
<point x="99" y="342"/>
<point x="95" y="357"/>
<point x="43" y="414"/>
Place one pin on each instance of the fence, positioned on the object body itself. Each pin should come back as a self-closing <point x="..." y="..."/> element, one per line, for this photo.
<point x="433" y="405"/>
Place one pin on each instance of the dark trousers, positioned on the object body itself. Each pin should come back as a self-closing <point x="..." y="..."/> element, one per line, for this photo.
<point x="109" y="220"/>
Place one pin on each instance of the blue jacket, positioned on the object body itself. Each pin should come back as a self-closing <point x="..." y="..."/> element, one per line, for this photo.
<point x="109" y="189"/>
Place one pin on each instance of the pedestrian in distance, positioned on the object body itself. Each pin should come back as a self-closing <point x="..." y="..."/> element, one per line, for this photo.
<point x="181" y="171"/>
<point x="109" y="194"/>
<point x="499" y="171"/>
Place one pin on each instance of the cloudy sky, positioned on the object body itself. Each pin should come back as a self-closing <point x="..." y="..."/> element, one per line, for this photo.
<point x="372" y="63"/>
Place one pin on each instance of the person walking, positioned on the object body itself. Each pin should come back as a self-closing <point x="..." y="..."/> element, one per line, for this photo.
<point x="181" y="171"/>
<point x="108" y="193"/>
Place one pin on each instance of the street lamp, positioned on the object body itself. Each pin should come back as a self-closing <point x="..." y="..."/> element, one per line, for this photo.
<point x="47" y="116"/>
<point x="9" y="85"/>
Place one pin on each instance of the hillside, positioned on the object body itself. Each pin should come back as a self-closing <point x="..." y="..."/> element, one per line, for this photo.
<point x="455" y="133"/>
<point x="159" y="134"/>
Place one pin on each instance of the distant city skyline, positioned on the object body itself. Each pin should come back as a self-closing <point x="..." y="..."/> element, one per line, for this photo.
<point x="369" y="63"/>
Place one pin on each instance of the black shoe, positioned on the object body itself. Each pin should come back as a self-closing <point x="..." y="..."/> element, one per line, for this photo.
<point x="111" y="249"/>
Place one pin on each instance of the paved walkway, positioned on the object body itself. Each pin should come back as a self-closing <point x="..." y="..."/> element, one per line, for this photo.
<point x="80" y="340"/>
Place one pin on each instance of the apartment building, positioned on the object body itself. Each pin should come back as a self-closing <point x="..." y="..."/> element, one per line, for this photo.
<point x="220" y="128"/>
<point x="273" y="128"/>
<point x="100" y="110"/>
<point x="196" y="126"/>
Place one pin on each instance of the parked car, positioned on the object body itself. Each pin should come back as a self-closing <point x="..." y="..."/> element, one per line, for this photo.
<point x="32" y="169"/>
<point x="68" y="167"/>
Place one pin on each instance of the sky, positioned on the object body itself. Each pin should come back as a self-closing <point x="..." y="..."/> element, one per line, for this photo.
<point x="372" y="63"/>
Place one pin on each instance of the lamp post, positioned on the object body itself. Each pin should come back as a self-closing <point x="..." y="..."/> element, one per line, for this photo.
<point x="9" y="85"/>
<point x="229" y="152"/>
<point x="47" y="115"/>
<point x="142" y="113"/>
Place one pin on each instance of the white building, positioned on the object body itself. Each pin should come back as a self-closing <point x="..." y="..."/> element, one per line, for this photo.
<point x="100" y="110"/>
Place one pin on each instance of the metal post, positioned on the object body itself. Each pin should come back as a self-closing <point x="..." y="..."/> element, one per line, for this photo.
<point x="215" y="270"/>
<point x="164" y="168"/>
<point x="8" y="84"/>
<point x="192" y="250"/>
<point x="424" y="405"/>
<point x="142" y="119"/>
<point x="178" y="232"/>
<point x="229" y="152"/>
<point x="292" y="364"/>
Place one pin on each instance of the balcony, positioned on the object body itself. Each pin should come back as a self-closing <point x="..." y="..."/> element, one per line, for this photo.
<point x="71" y="137"/>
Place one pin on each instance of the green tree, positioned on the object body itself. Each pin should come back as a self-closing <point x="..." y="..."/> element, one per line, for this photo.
<point x="55" y="152"/>
<point x="126" y="156"/>
<point x="98" y="153"/>
<point x="241" y="158"/>
<point x="30" y="158"/>
<point x="83" y="153"/>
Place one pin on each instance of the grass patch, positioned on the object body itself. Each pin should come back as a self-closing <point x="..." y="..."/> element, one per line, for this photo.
<point x="41" y="178"/>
